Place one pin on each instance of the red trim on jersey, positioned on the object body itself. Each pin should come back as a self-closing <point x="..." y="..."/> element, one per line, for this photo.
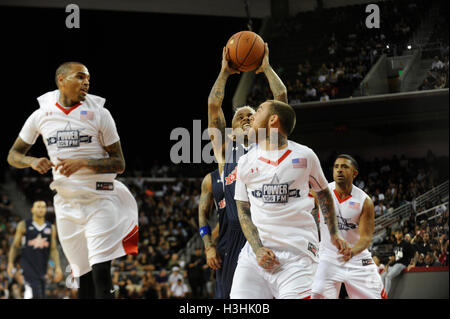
<point x="383" y="294"/>
<point x="265" y="160"/>
<point x="65" y="110"/>
<point x="309" y="297"/>
<point x="130" y="242"/>
<point x="339" y="199"/>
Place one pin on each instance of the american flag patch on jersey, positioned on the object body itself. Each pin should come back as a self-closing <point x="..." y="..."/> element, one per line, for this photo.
<point x="354" y="205"/>
<point x="86" y="115"/>
<point x="299" y="163"/>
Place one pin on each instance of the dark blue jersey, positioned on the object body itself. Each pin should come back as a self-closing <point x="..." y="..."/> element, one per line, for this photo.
<point x="233" y="153"/>
<point x="219" y="201"/>
<point x="36" y="249"/>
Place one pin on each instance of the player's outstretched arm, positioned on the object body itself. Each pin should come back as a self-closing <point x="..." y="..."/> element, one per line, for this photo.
<point x="17" y="157"/>
<point x="216" y="118"/>
<point x="277" y="86"/>
<point x="15" y="247"/>
<point x="265" y="256"/>
<point x="204" y="212"/>
<point x="326" y="204"/>
<point x="54" y="255"/>
<point x="114" y="164"/>
<point x="366" y="227"/>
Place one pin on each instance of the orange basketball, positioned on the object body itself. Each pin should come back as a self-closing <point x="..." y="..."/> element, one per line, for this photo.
<point x="245" y="51"/>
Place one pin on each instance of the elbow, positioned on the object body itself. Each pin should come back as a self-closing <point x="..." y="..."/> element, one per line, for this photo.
<point x="9" y="159"/>
<point x="121" y="167"/>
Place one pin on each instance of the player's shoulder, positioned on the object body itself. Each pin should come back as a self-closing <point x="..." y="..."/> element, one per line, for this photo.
<point x="95" y="101"/>
<point x="297" y="147"/>
<point x="358" y="192"/>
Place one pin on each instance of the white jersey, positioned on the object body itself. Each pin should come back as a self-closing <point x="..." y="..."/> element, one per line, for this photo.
<point x="77" y="132"/>
<point x="276" y="183"/>
<point x="348" y="211"/>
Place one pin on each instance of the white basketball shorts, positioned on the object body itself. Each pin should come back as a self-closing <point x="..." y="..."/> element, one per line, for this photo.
<point x="291" y="280"/>
<point x="95" y="226"/>
<point x="361" y="282"/>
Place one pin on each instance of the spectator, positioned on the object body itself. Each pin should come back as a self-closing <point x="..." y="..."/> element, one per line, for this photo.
<point x="178" y="290"/>
<point x="174" y="276"/>
<point x="324" y="97"/>
<point x="430" y="260"/>
<point x="437" y="64"/>
<point x="403" y="253"/>
<point x="196" y="275"/>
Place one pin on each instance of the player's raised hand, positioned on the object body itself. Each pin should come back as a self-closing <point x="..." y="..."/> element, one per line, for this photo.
<point x="42" y="165"/>
<point x="226" y="64"/>
<point x="265" y="61"/>
<point x="266" y="258"/>
<point x="212" y="257"/>
<point x="69" y="166"/>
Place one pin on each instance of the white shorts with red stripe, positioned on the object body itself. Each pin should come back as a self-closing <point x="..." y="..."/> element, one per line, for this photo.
<point x="96" y="225"/>
<point x="361" y="282"/>
<point x="291" y="280"/>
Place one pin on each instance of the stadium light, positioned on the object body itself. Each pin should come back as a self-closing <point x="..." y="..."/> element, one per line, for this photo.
<point x="409" y="46"/>
<point x="387" y="46"/>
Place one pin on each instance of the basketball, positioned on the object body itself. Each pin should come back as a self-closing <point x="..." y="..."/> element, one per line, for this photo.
<point x="245" y="51"/>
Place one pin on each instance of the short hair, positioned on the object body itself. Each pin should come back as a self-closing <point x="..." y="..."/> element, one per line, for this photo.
<point x="63" y="68"/>
<point x="286" y="114"/>
<point x="245" y="107"/>
<point x="351" y="159"/>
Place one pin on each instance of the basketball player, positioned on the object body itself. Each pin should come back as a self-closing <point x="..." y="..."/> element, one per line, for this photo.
<point x="36" y="238"/>
<point x="212" y="191"/>
<point x="272" y="186"/>
<point x="355" y="213"/>
<point x="96" y="216"/>
<point x="227" y="150"/>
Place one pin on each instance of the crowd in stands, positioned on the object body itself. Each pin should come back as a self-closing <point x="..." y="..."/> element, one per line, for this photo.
<point x="168" y="220"/>
<point x="437" y="76"/>
<point x="334" y="49"/>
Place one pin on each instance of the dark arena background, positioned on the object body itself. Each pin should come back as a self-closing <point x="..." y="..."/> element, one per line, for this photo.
<point x="378" y="94"/>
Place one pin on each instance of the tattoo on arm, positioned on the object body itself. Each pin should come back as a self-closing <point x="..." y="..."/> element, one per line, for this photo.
<point x="204" y="208"/>
<point x="216" y="118"/>
<point x="276" y="85"/>
<point x="248" y="228"/>
<point x="114" y="164"/>
<point x="17" y="154"/>
<point x="326" y="204"/>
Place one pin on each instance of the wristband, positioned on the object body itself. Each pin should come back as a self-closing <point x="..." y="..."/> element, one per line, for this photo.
<point x="205" y="230"/>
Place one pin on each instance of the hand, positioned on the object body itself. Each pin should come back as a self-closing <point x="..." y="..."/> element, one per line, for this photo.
<point x="265" y="61"/>
<point x="42" y="165"/>
<point x="339" y="243"/>
<point x="212" y="257"/>
<point x="226" y="64"/>
<point x="58" y="275"/>
<point x="348" y="254"/>
<point x="266" y="258"/>
<point x="69" y="166"/>
<point x="9" y="270"/>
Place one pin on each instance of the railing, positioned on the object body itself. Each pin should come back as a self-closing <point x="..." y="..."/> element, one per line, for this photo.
<point x="438" y="193"/>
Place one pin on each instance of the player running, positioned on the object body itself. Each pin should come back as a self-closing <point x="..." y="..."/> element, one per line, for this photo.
<point x="96" y="216"/>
